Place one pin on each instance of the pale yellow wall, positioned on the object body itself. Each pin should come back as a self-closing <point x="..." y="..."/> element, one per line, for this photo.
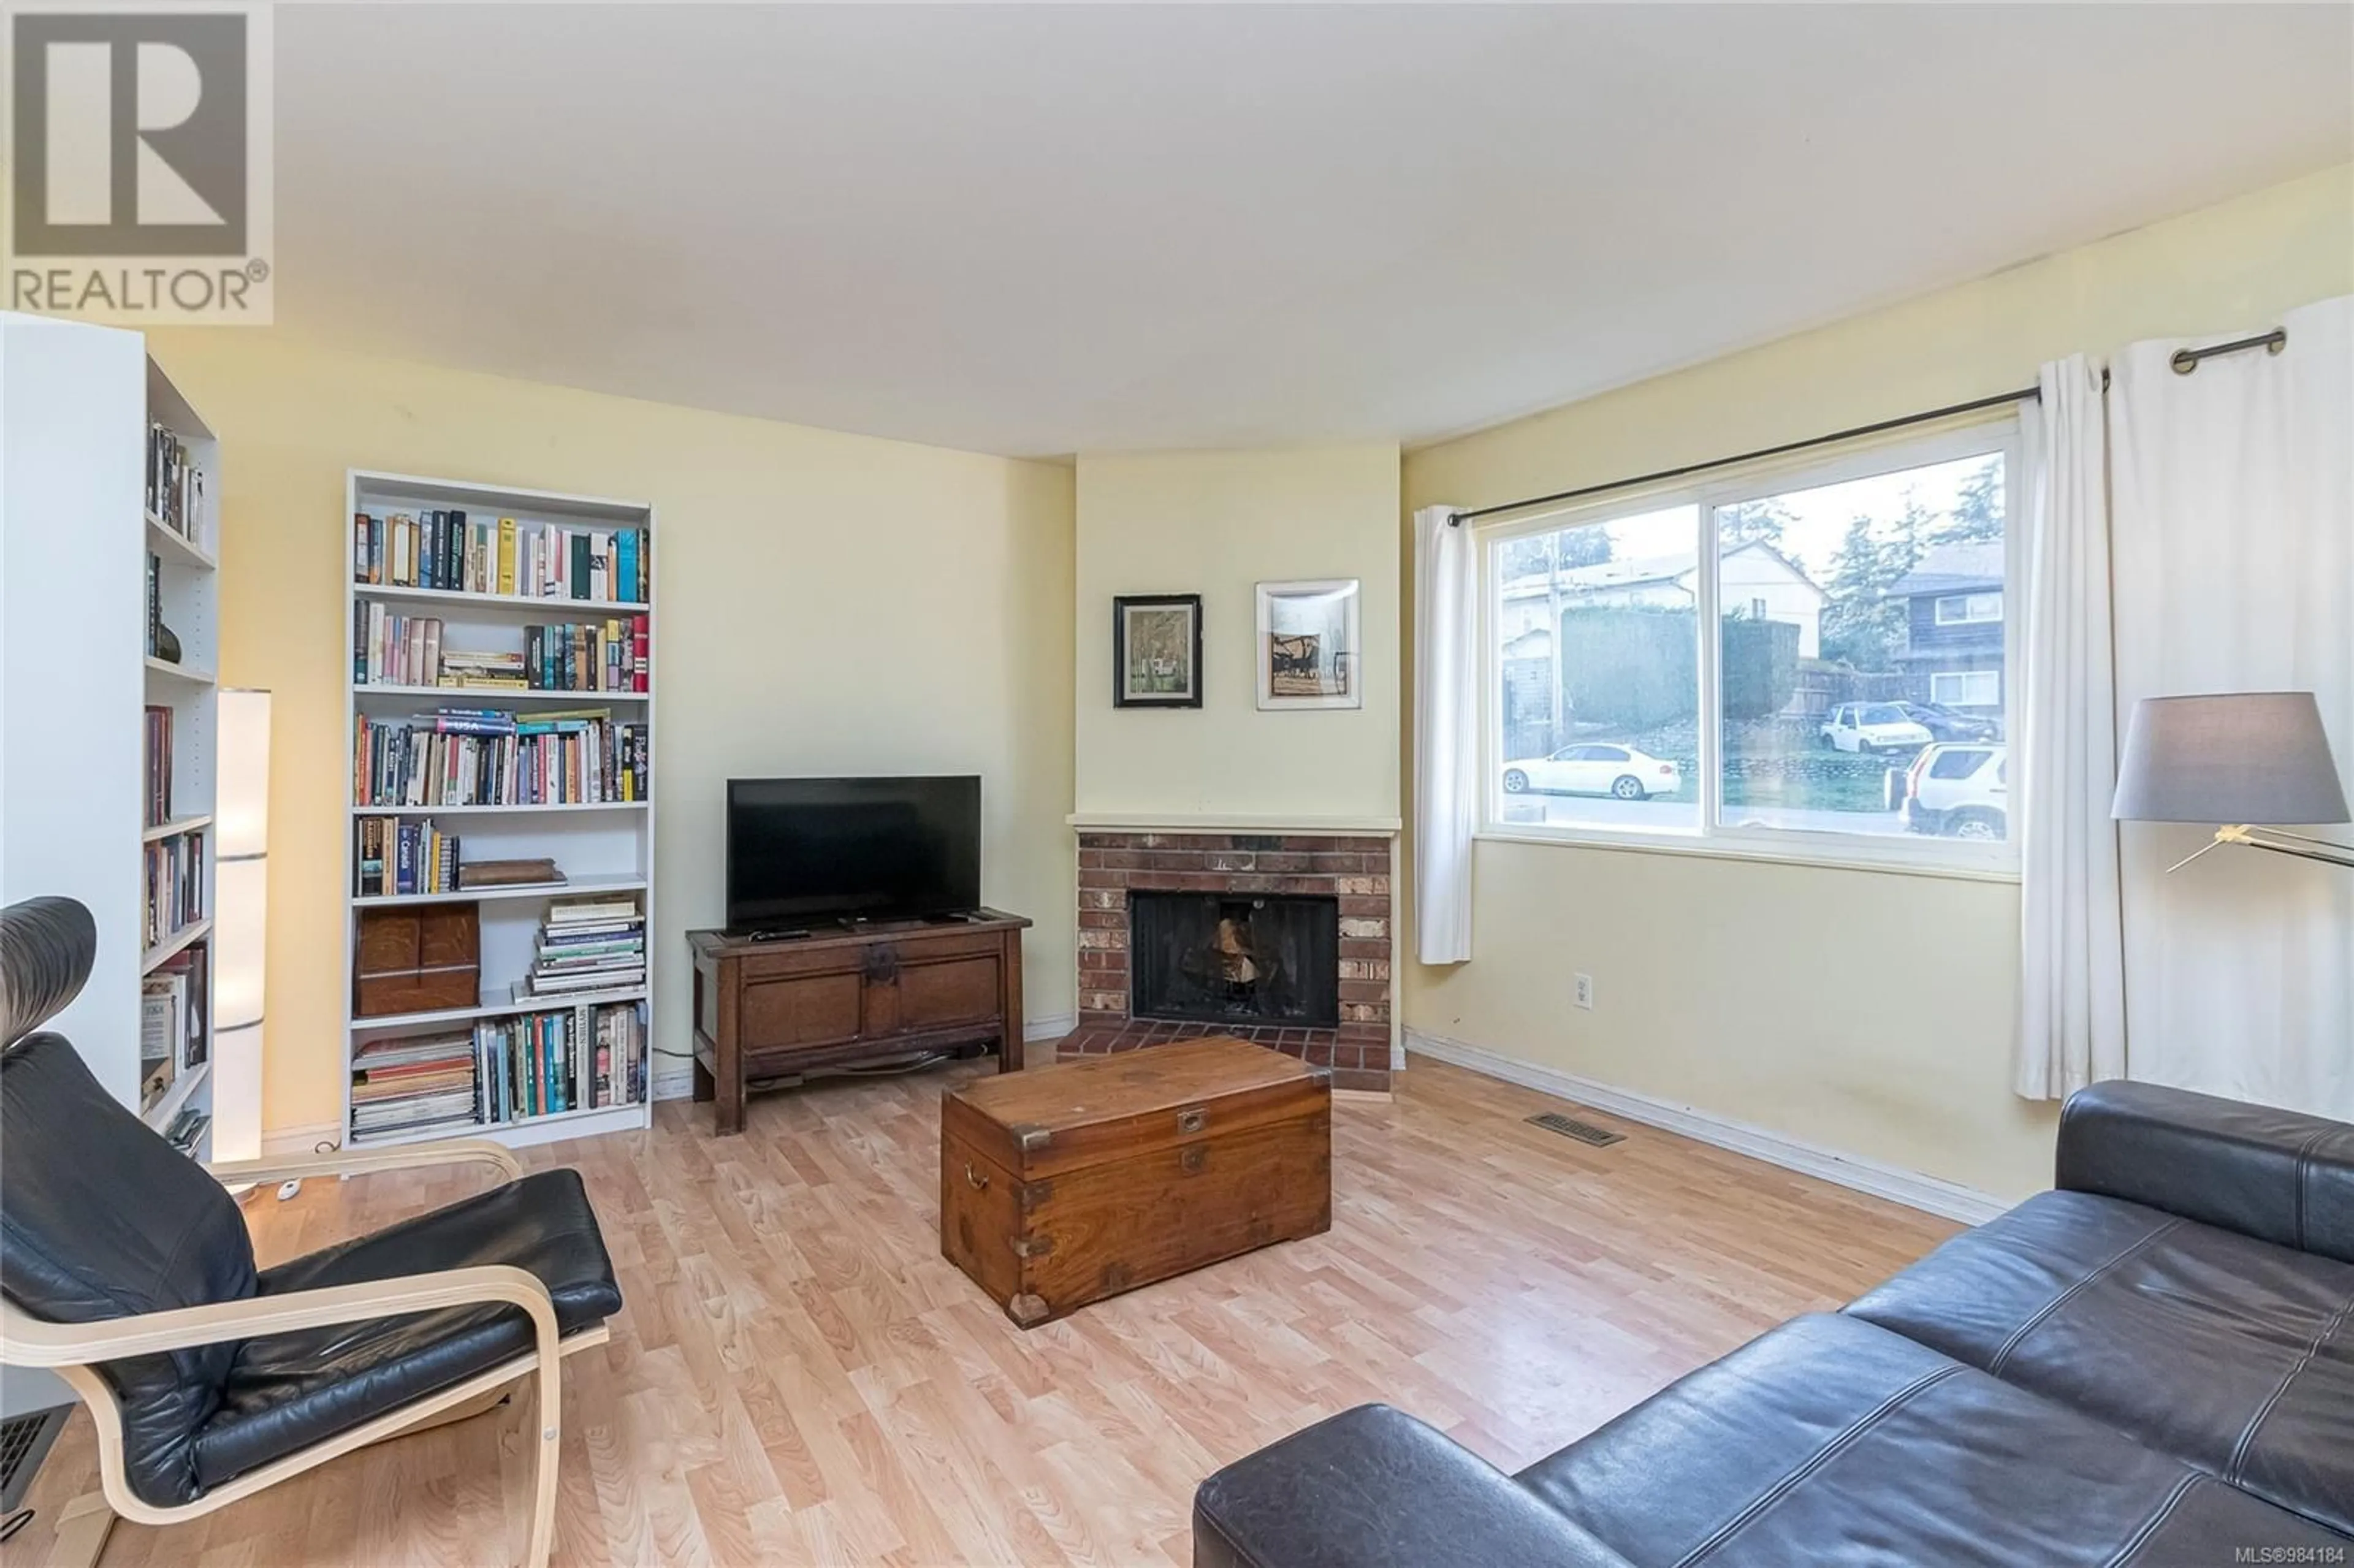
<point x="827" y="604"/>
<point x="1217" y="523"/>
<point x="1866" y="1012"/>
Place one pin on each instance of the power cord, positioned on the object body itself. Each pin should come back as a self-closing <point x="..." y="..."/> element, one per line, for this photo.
<point x="15" y="1523"/>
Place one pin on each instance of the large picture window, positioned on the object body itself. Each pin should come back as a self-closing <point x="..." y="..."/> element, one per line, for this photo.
<point x="1811" y="662"/>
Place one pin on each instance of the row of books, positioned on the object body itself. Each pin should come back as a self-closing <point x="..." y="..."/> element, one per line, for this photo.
<point x="156" y="747"/>
<point x="176" y="485"/>
<point x="394" y="856"/>
<point x="389" y="649"/>
<point x="174" y="885"/>
<point x="587" y="1058"/>
<point x="475" y="757"/>
<point x="587" y="656"/>
<point x="447" y="550"/>
<point x="597" y="942"/>
<point x="174" y="1011"/>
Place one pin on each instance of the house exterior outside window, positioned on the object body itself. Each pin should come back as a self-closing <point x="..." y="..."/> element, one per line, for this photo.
<point x="1953" y="652"/>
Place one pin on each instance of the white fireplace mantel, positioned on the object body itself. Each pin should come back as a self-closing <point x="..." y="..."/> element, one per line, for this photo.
<point x="1227" y="823"/>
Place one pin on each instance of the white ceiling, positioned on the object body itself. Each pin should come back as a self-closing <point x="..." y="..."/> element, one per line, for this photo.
<point x="1040" y="230"/>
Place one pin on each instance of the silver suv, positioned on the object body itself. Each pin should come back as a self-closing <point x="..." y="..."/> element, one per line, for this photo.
<point x="1956" y="791"/>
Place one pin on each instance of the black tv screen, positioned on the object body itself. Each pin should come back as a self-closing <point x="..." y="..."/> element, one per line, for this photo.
<point x="802" y="851"/>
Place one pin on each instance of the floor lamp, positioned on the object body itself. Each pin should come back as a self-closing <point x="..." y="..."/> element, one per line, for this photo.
<point x="2239" y="759"/>
<point x="240" y="921"/>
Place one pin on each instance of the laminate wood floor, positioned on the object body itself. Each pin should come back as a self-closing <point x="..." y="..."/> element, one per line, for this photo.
<point x="800" y="1378"/>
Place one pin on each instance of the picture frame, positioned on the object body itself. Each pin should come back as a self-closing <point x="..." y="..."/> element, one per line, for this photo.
<point x="1309" y="654"/>
<point x="1156" y="650"/>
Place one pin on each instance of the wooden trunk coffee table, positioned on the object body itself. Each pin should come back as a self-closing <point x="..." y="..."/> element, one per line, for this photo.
<point x="1068" y="1184"/>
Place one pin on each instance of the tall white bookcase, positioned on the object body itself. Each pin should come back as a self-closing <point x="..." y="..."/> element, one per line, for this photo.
<point x="607" y="847"/>
<point x="77" y="404"/>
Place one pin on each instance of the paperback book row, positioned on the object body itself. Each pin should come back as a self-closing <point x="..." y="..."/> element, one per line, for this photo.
<point x="586" y="944"/>
<point x="451" y="552"/>
<point x="391" y="855"/>
<point x="175" y="1021"/>
<point x="157" y="746"/>
<point x="570" y="656"/>
<point x="476" y="757"/>
<point x="176" y="485"/>
<point x="174" y="885"/>
<point x="510" y="1069"/>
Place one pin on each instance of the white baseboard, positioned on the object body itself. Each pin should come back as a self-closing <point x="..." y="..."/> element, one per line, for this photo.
<point x="1912" y="1189"/>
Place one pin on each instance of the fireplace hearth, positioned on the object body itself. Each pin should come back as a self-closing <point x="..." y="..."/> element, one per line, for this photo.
<point x="1239" y="968"/>
<point x="1210" y="957"/>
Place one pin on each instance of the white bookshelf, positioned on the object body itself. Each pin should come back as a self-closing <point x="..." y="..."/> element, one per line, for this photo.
<point x="75" y="536"/>
<point x="601" y="847"/>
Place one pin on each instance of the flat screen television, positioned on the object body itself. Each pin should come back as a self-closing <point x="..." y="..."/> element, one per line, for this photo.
<point x="802" y="852"/>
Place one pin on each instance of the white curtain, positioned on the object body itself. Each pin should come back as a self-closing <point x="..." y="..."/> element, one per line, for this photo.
<point x="2072" y="973"/>
<point x="1445" y="736"/>
<point x="2233" y="532"/>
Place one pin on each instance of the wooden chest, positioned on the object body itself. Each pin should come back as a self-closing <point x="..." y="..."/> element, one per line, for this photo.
<point x="1065" y="1185"/>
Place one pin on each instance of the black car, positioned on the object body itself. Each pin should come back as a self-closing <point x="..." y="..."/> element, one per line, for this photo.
<point x="1945" y="724"/>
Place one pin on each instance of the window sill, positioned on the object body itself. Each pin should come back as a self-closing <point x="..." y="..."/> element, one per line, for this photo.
<point x="1722" y="849"/>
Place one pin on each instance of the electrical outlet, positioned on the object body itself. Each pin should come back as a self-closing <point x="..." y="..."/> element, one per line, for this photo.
<point x="1585" y="990"/>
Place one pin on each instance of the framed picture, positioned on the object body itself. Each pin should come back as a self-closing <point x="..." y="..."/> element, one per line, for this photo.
<point x="1308" y="656"/>
<point x="1156" y="650"/>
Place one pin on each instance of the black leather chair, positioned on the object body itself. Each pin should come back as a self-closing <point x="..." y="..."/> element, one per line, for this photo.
<point x="127" y="1268"/>
<point x="2151" y="1366"/>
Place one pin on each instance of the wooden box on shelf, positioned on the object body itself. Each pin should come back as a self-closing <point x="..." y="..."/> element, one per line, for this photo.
<point x="427" y="960"/>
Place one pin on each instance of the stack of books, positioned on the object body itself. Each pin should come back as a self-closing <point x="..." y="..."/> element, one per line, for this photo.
<point x="490" y="672"/>
<point x="480" y="757"/>
<point x="392" y="856"/>
<point x="413" y="1084"/>
<point x="593" y="943"/>
<point x="543" y="1064"/>
<point x="448" y="551"/>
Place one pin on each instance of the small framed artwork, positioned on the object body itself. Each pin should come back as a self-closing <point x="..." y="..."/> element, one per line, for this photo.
<point x="1156" y="650"/>
<point x="1308" y="655"/>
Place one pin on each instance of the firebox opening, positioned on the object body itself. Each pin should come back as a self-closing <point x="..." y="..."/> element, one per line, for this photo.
<point x="1241" y="958"/>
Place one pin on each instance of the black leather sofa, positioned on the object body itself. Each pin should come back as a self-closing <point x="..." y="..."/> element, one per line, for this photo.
<point x="2152" y="1364"/>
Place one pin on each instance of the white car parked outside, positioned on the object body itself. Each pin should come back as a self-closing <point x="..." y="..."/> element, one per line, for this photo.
<point x="1872" y="726"/>
<point x="1591" y="767"/>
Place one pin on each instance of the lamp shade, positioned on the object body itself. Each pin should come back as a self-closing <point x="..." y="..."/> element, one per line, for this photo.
<point x="243" y="797"/>
<point x="2231" y="758"/>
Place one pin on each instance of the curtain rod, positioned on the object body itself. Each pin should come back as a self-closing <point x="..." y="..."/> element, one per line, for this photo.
<point x="2184" y="362"/>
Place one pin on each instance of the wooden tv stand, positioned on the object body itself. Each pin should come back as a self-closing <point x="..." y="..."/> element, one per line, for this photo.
<point x="843" y="995"/>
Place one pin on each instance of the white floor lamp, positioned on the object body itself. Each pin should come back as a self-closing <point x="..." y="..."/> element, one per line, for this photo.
<point x="241" y="919"/>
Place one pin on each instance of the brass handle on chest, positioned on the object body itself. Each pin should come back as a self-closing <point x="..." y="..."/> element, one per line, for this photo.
<point x="980" y="1183"/>
<point x="1192" y="1118"/>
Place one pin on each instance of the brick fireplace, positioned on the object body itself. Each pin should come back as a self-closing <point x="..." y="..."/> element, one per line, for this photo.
<point x="1246" y="872"/>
